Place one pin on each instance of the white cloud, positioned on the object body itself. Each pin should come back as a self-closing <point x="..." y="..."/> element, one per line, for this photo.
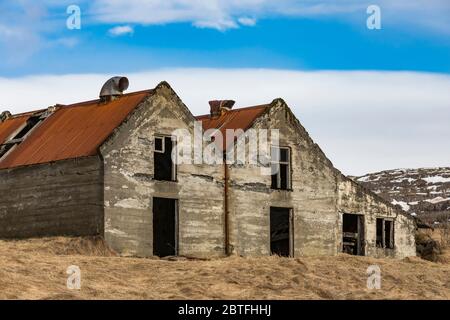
<point x="219" y="24"/>
<point x="68" y="42"/>
<point x="121" y="30"/>
<point x="364" y="121"/>
<point x="225" y="14"/>
<point x="246" y="21"/>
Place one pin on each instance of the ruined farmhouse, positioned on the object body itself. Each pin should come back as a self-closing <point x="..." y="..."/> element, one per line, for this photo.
<point x="104" y="167"/>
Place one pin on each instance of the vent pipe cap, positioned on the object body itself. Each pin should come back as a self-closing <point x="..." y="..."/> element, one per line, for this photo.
<point x="114" y="87"/>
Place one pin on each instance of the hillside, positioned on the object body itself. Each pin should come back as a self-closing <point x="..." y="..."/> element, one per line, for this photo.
<point x="421" y="192"/>
<point x="36" y="269"/>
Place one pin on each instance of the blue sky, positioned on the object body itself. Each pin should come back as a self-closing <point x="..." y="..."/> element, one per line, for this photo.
<point x="372" y="99"/>
<point x="412" y="37"/>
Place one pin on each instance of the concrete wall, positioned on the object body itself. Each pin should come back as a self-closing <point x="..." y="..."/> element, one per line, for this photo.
<point x="313" y="196"/>
<point x="129" y="186"/>
<point x="354" y="198"/>
<point x="320" y="195"/>
<point x="56" y="199"/>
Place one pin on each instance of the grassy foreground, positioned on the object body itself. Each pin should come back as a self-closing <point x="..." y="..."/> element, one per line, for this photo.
<point x="36" y="269"/>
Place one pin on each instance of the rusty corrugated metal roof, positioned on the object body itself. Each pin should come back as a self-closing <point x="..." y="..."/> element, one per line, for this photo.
<point x="241" y="118"/>
<point x="72" y="131"/>
<point x="8" y="127"/>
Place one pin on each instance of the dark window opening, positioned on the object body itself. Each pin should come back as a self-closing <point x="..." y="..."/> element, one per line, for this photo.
<point x="281" y="168"/>
<point x="389" y="234"/>
<point x="15" y="140"/>
<point x="159" y="144"/>
<point x="379" y="233"/>
<point x="31" y="123"/>
<point x="281" y="232"/>
<point x="165" y="227"/>
<point x="353" y="234"/>
<point x="164" y="167"/>
<point x="385" y="233"/>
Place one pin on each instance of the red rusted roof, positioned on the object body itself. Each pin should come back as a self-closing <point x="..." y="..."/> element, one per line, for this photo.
<point x="72" y="131"/>
<point x="241" y="118"/>
<point x="8" y="127"/>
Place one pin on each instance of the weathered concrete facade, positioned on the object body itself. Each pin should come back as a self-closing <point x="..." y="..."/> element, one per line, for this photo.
<point x="130" y="186"/>
<point x="220" y="208"/>
<point x="353" y="198"/>
<point x="61" y="198"/>
<point x="319" y="196"/>
<point x="312" y="197"/>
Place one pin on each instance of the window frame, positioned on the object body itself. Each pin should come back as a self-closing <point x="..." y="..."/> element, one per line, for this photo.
<point x="279" y="162"/>
<point x="383" y="244"/>
<point x="163" y="145"/>
<point x="174" y="171"/>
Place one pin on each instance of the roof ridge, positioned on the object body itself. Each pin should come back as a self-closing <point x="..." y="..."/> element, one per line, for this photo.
<point x="82" y="103"/>
<point x="265" y="105"/>
<point x="76" y="104"/>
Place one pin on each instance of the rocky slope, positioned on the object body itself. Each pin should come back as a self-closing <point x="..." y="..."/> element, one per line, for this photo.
<point x="421" y="192"/>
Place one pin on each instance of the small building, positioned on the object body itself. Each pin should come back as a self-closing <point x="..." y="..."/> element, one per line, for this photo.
<point x="104" y="167"/>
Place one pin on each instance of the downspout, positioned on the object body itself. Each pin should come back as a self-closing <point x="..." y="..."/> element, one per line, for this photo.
<point x="228" y="249"/>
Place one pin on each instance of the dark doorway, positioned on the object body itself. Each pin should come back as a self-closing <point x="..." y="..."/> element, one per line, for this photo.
<point x="165" y="220"/>
<point x="353" y="234"/>
<point x="281" y="240"/>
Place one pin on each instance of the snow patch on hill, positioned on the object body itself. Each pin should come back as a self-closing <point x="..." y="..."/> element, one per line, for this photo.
<point x="403" y="204"/>
<point x="436" y="179"/>
<point x="426" y="190"/>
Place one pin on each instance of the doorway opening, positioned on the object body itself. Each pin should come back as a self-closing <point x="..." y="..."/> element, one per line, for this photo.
<point x="353" y="234"/>
<point x="281" y="232"/>
<point x="165" y="227"/>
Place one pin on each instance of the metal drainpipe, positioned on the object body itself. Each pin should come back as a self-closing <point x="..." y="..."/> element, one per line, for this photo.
<point x="228" y="250"/>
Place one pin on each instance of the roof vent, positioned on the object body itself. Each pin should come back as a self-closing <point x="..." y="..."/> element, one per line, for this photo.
<point x="113" y="88"/>
<point x="5" y="115"/>
<point x="217" y="107"/>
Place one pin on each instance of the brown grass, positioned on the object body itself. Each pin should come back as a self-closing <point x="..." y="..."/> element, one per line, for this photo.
<point x="36" y="269"/>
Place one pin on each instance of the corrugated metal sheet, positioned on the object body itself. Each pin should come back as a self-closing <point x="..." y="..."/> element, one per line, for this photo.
<point x="72" y="131"/>
<point x="8" y="127"/>
<point x="234" y="119"/>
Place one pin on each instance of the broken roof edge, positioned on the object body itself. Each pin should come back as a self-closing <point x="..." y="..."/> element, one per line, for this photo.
<point x="25" y="114"/>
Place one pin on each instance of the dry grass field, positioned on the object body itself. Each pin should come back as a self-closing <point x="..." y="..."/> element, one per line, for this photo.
<point x="36" y="269"/>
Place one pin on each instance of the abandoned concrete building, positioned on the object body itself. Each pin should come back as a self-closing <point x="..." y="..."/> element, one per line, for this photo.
<point x="103" y="167"/>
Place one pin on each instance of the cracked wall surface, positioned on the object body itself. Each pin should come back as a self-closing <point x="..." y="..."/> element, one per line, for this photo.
<point x="129" y="185"/>
<point x="319" y="196"/>
<point x="64" y="198"/>
<point x="313" y="196"/>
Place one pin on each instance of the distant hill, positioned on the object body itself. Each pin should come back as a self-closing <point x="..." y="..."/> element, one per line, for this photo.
<point x="421" y="192"/>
